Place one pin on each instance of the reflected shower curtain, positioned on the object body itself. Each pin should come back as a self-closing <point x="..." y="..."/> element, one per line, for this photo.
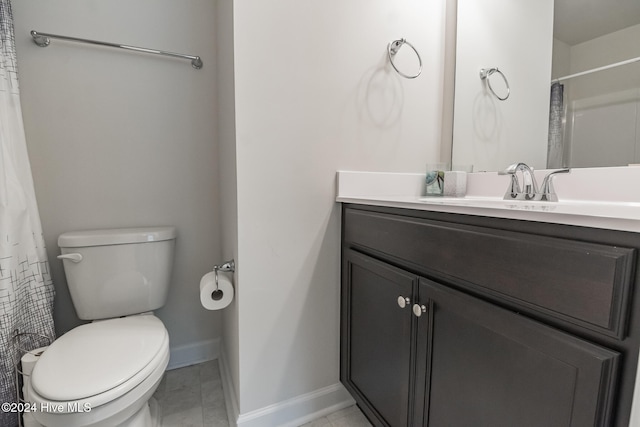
<point x="555" y="148"/>
<point x="26" y="291"/>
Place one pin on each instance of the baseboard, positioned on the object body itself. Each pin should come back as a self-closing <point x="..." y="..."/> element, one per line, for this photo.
<point x="190" y="354"/>
<point x="289" y="413"/>
<point x="230" y="396"/>
<point x="300" y="409"/>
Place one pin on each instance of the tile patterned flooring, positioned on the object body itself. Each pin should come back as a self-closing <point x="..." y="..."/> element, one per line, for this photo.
<point x="348" y="417"/>
<point x="193" y="397"/>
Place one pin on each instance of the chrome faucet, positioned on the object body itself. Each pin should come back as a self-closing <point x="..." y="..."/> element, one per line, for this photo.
<point x="547" y="192"/>
<point x="529" y="190"/>
<point x="529" y="185"/>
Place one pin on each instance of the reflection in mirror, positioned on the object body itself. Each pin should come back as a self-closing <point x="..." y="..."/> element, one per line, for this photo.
<point x="514" y="36"/>
<point x="596" y="70"/>
<point x="591" y="120"/>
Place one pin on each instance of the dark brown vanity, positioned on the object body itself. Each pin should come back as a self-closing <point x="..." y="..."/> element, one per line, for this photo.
<point x="471" y="321"/>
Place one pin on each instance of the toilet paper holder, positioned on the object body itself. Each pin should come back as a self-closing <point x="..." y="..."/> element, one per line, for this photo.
<point x="226" y="266"/>
<point x="23" y="343"/>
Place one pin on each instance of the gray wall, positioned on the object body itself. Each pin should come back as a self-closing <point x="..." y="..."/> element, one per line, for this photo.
<point x="121" y="139"/>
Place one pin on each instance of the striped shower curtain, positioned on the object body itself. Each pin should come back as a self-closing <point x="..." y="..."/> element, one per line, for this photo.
<point x="26" y="291"/>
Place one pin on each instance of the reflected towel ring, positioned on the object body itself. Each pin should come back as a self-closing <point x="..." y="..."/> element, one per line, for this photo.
<point x="485" y="74"/>
<point x="393" y="48"/>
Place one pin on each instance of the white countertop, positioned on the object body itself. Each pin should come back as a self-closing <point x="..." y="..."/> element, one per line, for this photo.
<point x="617" y="209"/>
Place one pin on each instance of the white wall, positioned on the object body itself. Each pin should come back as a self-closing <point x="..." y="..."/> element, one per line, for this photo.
<point x="516" y="37"/>
<point x="228" y="192"/>
<point x="125" y="139"/>
<point x="608" y="49"/>
<point x="314" y="94"/>
<point x="603" y="108"/>
<point x="561" y="62"/>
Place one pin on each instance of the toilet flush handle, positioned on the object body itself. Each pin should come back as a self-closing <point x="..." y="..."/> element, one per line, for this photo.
<point x="75" y="257"/>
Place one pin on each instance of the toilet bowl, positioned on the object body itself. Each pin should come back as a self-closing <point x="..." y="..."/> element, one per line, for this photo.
<point x="104" y="373"/>
<point x="101" y="374"/>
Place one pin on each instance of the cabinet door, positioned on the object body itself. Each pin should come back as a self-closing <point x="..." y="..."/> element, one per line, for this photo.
<point x="377" y="339"/>
<point x="487" y="366"/>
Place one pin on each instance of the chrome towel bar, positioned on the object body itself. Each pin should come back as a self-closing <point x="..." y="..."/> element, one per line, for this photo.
<point x="44" y="39"/>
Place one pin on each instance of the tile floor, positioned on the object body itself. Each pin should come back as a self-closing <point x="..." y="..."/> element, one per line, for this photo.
<point x="348" y="417"/>
<point x="193" y="397"/>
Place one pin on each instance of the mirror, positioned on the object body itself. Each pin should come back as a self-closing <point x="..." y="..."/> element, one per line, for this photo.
<point x="595" y="116"/>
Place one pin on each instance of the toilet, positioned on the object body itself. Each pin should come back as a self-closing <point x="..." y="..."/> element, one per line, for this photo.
<point x="104" y="373"/>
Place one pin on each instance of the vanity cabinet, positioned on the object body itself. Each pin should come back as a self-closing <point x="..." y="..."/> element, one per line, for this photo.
<point x="381" y="336"/>
<point x="456" y="320"/>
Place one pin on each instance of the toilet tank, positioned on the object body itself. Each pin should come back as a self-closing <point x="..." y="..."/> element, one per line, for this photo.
<point x="118" y="272"/>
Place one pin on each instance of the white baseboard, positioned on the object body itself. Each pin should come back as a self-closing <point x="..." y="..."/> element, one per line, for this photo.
<point x="300" y="409"/>
<point x="190" y="354"/>
<point x="230" y="396"/>
<point x="289" y="413"/>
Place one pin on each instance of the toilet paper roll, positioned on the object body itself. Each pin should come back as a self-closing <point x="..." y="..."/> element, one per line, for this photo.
<point x="28" y="362"/>
<point x="30" y="359"/>
<point x="213" y="299"/>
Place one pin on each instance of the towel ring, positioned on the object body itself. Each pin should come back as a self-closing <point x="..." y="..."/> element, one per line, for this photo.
<point x="393" y="48"/>
<point x="485" y="74"/>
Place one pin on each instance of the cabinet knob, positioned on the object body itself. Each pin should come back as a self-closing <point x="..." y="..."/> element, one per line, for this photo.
<point x="419" y="309"/>
<point x="403" y="301"/>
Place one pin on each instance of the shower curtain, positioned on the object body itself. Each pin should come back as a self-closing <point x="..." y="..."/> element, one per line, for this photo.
<point x="555" y="147"/>
<point x="26" y="290"/>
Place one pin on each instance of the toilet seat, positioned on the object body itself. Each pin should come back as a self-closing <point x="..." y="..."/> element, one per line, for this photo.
<point x="99" y="362"/>
<point x="114" y="413"/>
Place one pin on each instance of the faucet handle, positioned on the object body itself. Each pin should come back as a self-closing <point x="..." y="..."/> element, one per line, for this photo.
<point x="547" y="192"/>
<point x="511" y="169"/>
<point x="514" y="186"/>
<point x="514" y="191"/>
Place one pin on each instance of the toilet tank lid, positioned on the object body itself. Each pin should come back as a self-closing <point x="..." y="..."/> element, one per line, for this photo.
<point x="115" y="236"/>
